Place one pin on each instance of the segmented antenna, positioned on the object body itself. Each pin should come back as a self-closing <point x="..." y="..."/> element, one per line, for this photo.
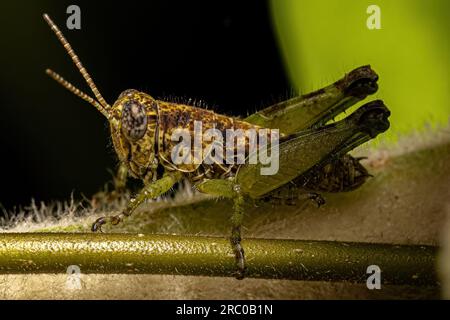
<point x="66" y="84"/>
<point x="77" y="62"/>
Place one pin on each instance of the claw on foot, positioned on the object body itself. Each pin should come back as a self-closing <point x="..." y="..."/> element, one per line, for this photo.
<point x="114" y="220"/>
<point x="97" y="225"/>
<point x="240" y="258"/>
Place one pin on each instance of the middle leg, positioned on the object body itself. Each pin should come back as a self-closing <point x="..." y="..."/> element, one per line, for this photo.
<point x="228" y="189"/>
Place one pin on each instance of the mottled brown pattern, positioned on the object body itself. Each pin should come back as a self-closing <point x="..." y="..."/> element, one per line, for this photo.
<point x="163" y="119"/>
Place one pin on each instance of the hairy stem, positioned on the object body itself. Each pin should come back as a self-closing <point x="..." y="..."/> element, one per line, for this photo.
<point x="212" y="256"/>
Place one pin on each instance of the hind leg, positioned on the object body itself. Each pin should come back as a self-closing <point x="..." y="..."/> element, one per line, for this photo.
<point x="317" y="108"/>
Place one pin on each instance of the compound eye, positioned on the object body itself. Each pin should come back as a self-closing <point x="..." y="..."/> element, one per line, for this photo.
<point x="134" y="120"/>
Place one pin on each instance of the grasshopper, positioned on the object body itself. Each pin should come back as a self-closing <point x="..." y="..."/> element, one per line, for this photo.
<point x="313" y="155"/>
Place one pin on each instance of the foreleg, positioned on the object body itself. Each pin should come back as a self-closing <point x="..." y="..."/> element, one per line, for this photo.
<point x="150" y="191"/>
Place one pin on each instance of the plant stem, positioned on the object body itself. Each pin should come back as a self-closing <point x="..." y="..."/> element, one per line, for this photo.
<point x="211" y="256"/>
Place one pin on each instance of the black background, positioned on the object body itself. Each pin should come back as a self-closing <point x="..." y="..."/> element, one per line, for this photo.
<point x="53" y="143"/>
<point x="281" y="309"/>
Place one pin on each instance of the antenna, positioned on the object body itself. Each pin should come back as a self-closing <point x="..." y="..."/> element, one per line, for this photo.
<point x="66" y="84"/>
<point x="78" y="64"/>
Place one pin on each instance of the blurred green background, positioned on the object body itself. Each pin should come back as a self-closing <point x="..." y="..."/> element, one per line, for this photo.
<point x="322" y="39"/>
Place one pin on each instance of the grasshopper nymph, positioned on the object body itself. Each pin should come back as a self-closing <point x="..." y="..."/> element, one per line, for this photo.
<point x="312" y="155"/>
